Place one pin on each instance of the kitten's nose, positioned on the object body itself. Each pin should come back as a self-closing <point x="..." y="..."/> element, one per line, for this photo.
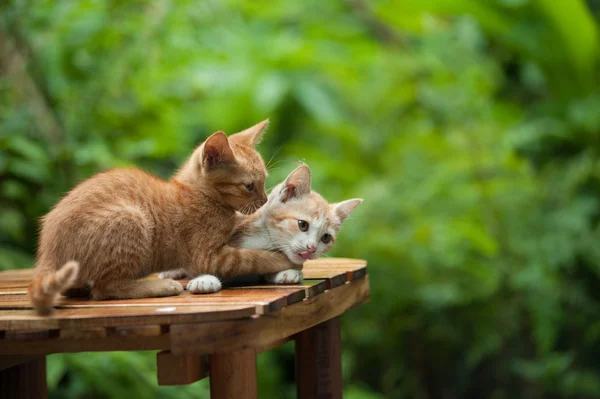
<point x="311" y="248"/>
<point x="263" y="199"/>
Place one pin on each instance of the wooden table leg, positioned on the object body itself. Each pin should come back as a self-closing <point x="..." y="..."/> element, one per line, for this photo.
<point x="24" y="381"/>
<point x="319" y="361"/>
<point x="233" y="375"/>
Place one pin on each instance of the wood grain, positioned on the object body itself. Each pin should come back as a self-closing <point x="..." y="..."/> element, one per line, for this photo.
<point x="332" y="262"/>
<point x="21" y="276"/>
<point x="265" y="300"/>
<point x="262" y="331"/>
<point x="272" y="345"/>
<point x="331" y="267"/>
<point x="233" y="375"/>
<point x="122" y="316"/>
<point x="332" y="278"/>
<point x="179" y="369"/>
<point x="13" y="291"/>
<point x="319" y="361"/>
<point x="311" y="287"/>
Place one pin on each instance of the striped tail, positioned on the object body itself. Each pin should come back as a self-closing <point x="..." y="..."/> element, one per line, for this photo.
<point x="44" y="289"/>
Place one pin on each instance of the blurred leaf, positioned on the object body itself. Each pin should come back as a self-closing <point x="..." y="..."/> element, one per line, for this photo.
<point x="12" y="222"/>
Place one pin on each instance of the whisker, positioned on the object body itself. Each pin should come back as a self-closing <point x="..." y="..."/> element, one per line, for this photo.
<point x="273" y="156"/>
<point x="273" y="167"/>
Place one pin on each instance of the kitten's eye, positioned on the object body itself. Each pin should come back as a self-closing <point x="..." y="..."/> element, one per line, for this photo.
<point x="326" y="238"/>
<point x="303" y="225"/>
<point x="249" y="186"/>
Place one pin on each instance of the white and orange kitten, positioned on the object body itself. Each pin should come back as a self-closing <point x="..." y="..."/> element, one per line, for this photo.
<point x="295" y="221"/>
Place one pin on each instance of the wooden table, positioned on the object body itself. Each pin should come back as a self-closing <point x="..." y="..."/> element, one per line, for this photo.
<point x="218" y="334"/>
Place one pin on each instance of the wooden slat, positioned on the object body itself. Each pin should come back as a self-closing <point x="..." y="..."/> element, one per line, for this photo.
<point x="314" y="287"/>
<point x="327" y="272"/>
<point x="262" y="331"/>
<point x="311" y="288"/>
<point x="332" y="278"/>
<point x="336" y="271"/>
<point x="357" y="274"/>
<point x="354" y="268"/>
<point x="13" y="291"/>
<point x="179" y="369"/>
<point x="15" y="301"/>
<point x="15" y="286"/>
<point x="18" y="274"/>
<point x="122" y="316"/>
<point x="15" y="279"/>
<point x="345" y="262"/>
<point x="265" y="300"/>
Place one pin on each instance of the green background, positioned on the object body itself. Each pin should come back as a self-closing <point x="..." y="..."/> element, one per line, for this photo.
<point x="471" y="129"/>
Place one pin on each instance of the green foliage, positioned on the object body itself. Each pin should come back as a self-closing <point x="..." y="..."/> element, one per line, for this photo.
<point x="471" y="128"/>
<point x="113" y="375"/>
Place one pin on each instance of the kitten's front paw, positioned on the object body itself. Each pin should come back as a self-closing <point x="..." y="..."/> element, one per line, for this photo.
<point x="167" y="287"/>
<point x="291" y="276"/>
<point x="205" y="284"/>
<point x="176" y="274"/>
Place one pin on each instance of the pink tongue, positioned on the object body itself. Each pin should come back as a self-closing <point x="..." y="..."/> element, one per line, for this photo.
<point x="306" y="255"/>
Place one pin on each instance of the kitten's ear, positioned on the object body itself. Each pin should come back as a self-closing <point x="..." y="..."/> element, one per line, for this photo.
<point x="296" y="184"/>
<point x="252" y="135"/>
<point x="344" y="209"/>
<point x="216" y="151"/>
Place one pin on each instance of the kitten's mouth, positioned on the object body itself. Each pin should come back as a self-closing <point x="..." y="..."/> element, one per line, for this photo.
<point x="307" y="255"/>
<point x="297" y="258"/>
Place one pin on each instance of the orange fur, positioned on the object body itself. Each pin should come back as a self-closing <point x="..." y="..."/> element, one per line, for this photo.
<point x="124" y="224"/>
<point x="44" y="289"/>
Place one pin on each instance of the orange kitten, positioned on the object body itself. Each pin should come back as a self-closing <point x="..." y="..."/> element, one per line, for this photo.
<point x="295" y="221"/>
<point x="124" y="224"/>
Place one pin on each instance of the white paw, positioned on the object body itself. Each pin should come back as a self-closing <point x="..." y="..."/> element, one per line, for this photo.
<point x="291" y="276"/>
<point x="176" y="274"/>
<point x="205" y="284"/>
